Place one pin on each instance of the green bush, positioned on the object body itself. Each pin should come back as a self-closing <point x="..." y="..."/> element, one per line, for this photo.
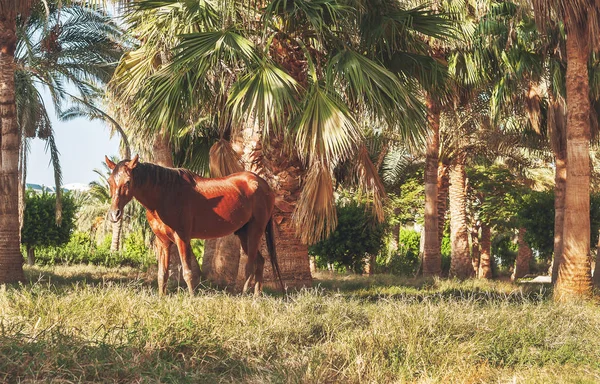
<point x="504" y="250"/>
<point x="446" y="253"/>
<point x="405" y="261"/>
<point x="40" y="228"/>
<point x="355" y="236"/>
<point x="82" y="250"/>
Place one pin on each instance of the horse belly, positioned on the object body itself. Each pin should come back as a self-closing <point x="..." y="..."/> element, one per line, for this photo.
<point x="219" y="223"/>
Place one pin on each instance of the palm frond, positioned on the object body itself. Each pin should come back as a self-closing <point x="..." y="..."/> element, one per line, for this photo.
<point x="315" y="215"/>
<point x="224" y="160"/>
<point x="326" y="130"/>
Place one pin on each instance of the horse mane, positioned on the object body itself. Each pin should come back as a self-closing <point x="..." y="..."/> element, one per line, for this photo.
<point x="155" y="175"/>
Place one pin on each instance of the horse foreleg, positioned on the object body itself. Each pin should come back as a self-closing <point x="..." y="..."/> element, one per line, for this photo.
<point x="163" y="266"/>
<point x="185" y="252"/>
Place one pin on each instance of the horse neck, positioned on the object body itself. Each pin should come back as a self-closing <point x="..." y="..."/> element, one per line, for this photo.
<point x="148" y="196"/>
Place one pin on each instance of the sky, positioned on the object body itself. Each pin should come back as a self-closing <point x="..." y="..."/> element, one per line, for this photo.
<point x="82" y="145"/>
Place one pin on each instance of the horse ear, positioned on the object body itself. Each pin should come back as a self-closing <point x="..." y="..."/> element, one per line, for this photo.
<point x="111" y="164"/>
<point x="133" y="163"/>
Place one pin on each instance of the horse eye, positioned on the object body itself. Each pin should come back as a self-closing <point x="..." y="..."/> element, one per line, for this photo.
<point x="127" y="183"/>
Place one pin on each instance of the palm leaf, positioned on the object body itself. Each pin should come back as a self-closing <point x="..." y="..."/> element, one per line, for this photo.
<point x="315" y="215"/>
<point x="326" y="131"/>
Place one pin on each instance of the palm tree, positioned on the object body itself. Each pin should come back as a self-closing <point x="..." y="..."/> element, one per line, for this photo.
<point x="288" y="86"/>
<point x="60" y="46"/>
<point x="11" y="260"/>
<point x="580" y="19"/>
<point x="35" y="48"/>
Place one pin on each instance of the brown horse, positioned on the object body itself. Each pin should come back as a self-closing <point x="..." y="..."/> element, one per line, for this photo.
<point x="182" y="206"/>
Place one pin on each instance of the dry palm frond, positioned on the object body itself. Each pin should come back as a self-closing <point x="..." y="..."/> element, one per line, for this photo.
<point x="369" y="181"/>
<point x="223" y="159"/>
<point x="315" y="216"/>
<point x="532" y="106"/>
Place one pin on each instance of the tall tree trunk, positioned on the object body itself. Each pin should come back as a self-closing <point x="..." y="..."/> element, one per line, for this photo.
<point x="432" y="261"/>
<point x="117" y="229"/>
<point x="485" y="259"/>
<point x="475" y="249"/>
<point x="443" y="190"/>
<point x="11" y="259"/>
<point x="574" y="273"/>
<point x="524" y="255"/>
<point x="557" y="125"/>
<point x="460" y="265"/>
<point x="163" y="155"/>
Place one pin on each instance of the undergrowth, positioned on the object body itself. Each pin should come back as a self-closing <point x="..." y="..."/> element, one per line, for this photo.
<point x="89" y="324"/>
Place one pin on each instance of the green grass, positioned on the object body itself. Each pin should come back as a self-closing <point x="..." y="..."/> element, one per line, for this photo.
<point x="90" y="324"/>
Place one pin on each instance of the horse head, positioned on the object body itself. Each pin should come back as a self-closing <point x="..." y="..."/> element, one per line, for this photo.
<point x="121" y="185"/>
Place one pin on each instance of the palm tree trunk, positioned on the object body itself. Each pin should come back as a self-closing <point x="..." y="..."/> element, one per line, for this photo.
<point x="163" y="156"/>
<point x="574" y="273"/>
<point x="11" y="259"/>
<point x="287" y="172"/>
<point x="443" y="182"/>
<point x="523" y="257"/>
<point x="117" y="229"/>
<point x="460" y="265"/>
<point x="560" y="181"/>
<point x="485" y="263"/>
<point x="557" y="125"/>
<point x="432" y="261"/>
<point x="224" y="261"/>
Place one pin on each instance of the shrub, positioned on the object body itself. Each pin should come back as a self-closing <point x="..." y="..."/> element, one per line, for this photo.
<point x="355" y="236"/>
<point x="82" y="250"/>
<point x="39" y="221"/>
<point x="405" y="261"/>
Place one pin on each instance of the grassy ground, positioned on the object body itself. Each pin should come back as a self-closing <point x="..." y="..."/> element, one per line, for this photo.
<point x="88" y="324"/>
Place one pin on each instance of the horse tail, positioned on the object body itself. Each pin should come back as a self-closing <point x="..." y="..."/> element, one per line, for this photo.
<point x="270" y="237"/>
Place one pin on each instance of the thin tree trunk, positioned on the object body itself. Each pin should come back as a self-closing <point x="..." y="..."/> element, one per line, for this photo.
<point x="574" y="273"/>
<point x="596" y="275"/>
<point x="432" y="261"/>
<point x="485" y="263"/>
<point x="395" y="240"/>
<point x="524" y="255"/>
<point x="557" y="125"/>
<point x="443" y="190"/>
<point x="117" y="229"/>
<point x="30" y="255"/>
<point x="11" y="259"/>
<point x="475" y="249"/>
<point x="163" y="156"/>
<point x="460" y="265"/>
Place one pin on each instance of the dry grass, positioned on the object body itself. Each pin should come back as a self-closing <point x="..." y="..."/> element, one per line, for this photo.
<point x="85" y="324"/>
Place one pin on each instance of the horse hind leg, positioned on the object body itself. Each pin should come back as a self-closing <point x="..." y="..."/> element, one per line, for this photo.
<point x="259" y="273"/>
<point x="250" y="250"/>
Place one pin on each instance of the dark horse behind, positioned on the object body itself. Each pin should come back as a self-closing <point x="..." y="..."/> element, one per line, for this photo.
<point x="182" y="205"/>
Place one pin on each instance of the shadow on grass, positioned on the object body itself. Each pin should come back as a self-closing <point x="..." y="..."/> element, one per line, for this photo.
<point x="60" y="357"/>
<point x="66" y="276"/>
<point x="367" y="288"/>
<point x="420" y="289"/>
